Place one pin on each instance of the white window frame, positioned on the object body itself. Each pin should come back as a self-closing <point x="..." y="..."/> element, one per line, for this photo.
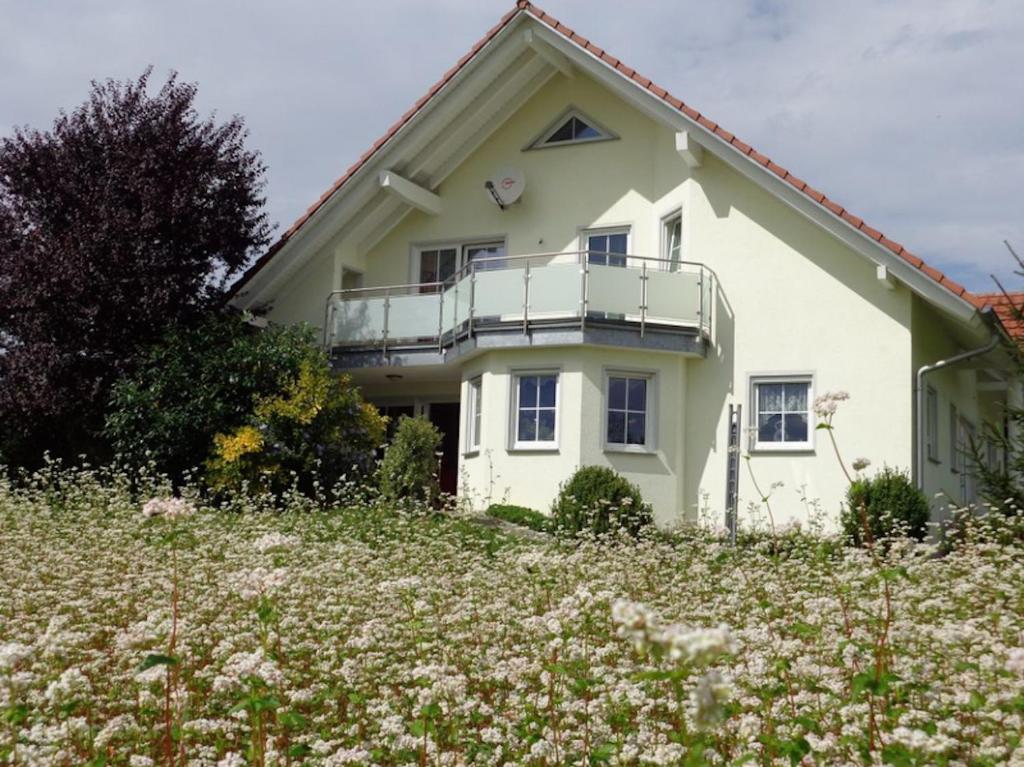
<point x="459" y="246"/>
<point x="931" y="424"/>
<point x="474" y="414"/>
<point x="756" y="446"/>
<point x="665" y="245"/>
<point x="650" y="444"/>
<point x="585" y="233"/>
<point x="536" y="445"/>
<point x="542" y="139"/>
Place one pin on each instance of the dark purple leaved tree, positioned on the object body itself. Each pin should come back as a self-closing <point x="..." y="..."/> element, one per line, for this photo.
<point x="130" y="214"/>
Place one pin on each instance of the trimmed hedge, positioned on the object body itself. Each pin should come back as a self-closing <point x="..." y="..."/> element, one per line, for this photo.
<point x="597" y="500"/>
<point x="520" y="515"/>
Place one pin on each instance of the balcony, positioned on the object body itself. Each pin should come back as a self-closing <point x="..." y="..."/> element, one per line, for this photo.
<point x="543" y="299"/>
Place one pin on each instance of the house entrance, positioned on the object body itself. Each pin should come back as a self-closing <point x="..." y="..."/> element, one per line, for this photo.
<point x="445" y="416"/>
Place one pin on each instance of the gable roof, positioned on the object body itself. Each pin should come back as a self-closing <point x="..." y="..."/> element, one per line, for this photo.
<point x="981" y="302"/>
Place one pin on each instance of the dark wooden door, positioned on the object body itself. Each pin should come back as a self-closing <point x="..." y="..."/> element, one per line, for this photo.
<point x="445" y="416"/>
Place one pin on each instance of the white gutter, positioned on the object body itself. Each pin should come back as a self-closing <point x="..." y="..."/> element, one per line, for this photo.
<point x="919" y="394"/>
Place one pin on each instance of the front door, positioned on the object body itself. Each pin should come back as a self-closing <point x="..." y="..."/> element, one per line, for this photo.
<point x="445" y="416"/>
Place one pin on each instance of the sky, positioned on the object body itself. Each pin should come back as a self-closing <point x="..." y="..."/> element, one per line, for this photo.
<point x="909" y="113"/>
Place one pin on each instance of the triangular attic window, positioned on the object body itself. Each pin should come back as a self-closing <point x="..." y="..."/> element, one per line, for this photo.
<point x="572" y="128"/>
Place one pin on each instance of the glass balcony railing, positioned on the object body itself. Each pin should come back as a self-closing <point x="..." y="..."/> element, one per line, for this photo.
<point x="513" y="292"/>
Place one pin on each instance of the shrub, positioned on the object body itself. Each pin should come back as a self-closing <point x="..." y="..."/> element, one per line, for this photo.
<point x="893" y="506"/>
<point x="316" y="429"/>
<point x="197" y="383"/>
<point x="408" y="470"/>
<point x="520" y="515"/>
<point x="598" y="500"/>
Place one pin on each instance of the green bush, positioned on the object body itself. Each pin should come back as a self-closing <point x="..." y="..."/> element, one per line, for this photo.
<point x="249" y="405"/>
<point x="891" y="504"/>
<point x="598" y="501"/>
<point x="520" y="515"/>
<point x="408" y="470"/>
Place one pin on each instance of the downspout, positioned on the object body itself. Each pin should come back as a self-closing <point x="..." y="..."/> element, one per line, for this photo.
<point x="919" y="395"/>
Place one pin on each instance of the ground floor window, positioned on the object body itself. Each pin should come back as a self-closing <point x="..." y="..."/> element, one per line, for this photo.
<point x="932" y="423"/>
<point x="628" y="411"/>
<point x="781" y="410"/>
<point x="535" y="411"/>
<point x="474" y="419"/>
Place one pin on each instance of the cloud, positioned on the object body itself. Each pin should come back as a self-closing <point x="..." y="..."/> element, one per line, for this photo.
<point x="907" y="113"/>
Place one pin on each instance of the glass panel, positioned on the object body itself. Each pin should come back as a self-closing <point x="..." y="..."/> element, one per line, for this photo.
<point x="796" y="427"/>
<point x="446" y="264"/>
<point x="796" y="397"/>
<point x="636" y="429"/>
<point x="614" y="291"/>
<point x="414" y="316"/>
<point x="527" y="426"/>
<point x="617" y="242"/>
<point x="673" y="297"/>
<point x="528" y="391"/>
<point x="586" y="131"/>
<point x="428" y="266"/>
<point x="637" y="394"/>
<point x="769" y="398"/>
<point x="769" y="427"/>
<point x="359" y="320"/>
<point x="597" y="247"/>
<point x="548" y="386"/>
<point x="616" y="427"/>
<point x="546" y="426"/>
<point x="499" y="294"/>
<point x="555" y="290"/>
<point x="492" y="254"/>
<point x="565" y="133"/>
<point x="617" y="393"/>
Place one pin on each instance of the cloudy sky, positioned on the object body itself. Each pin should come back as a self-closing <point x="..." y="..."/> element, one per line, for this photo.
<point x="909" y="113"/>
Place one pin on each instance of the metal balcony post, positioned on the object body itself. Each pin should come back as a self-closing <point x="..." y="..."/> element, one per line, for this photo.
<point x="526" y="298"/>
<point x="584" y="286"/>
<point x="440" y="319"/>
<point x="387" y="312"/>
<point x="472" y="299"/>
<point x="643" y="298"/>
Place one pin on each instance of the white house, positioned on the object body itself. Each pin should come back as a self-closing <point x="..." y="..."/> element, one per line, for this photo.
<point x="561" y="264"/>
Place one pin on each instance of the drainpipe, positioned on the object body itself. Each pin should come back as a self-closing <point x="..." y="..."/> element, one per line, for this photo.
<point x="919" y="394"/>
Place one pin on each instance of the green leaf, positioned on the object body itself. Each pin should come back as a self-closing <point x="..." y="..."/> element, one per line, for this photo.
<point x="16" y="715"/>
<point x="898" y="755"/>
<point x="158" y="660"/>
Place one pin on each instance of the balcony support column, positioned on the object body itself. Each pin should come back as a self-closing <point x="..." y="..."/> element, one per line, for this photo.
<point x="526" y="299"/>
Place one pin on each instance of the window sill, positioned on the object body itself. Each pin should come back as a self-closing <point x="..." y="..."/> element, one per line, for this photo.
<point x="782" y="447"/>
<point x="935" y="461"/>
<point x="541" y="448"/>
<point x="630" y="449"/>
<point x="471" y="453"/>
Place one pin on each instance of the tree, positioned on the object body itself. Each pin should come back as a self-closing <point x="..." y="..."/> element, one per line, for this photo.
<point x="130" y="215"/>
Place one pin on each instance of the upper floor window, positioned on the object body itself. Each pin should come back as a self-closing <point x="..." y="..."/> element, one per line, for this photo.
<point x="441" y="263"/>
<point x="607" y="247"/>
<point x="672" y="241"/>
<point x="571" y="127"/>
<point x="781" y="409"/>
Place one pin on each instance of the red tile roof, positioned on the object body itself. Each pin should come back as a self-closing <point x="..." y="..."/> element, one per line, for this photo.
<point x="1009" y="307"/>
<point x="833" y="207"/>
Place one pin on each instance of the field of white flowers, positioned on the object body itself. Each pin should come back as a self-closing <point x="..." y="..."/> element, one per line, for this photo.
<point x="162" y="634"/>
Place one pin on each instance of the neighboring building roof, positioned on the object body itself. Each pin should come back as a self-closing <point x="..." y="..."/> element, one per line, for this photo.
<point x="523" y="6"/>
<point x="1009" y="307"/>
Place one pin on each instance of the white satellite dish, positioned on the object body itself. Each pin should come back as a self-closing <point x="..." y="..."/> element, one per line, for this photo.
<point x="505" y="187"/>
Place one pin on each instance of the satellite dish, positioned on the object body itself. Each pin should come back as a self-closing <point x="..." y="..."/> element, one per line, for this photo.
<point x="505" y="187"/>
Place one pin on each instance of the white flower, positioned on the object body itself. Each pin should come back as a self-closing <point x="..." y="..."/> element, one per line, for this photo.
<point x="1015" y="661"/>
<point x="275" y="542"/>
<point x="169" y="508"/>
<point x="708" y="698"/>
<point x="859" y="464"/>
<point x="11" y="654"/>
<point x="827" y="404"/>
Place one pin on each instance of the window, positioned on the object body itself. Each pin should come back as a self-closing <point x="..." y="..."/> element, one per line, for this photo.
<point x="442" y="263"/>
<point x="628" y="421"/>
<point x="931" y="424"/>
<point x="607" y="247"/>
<point x="781" y="410"/>
<point x="969" y="485"/>
<point x="473" y="414"/>
<point x="536" y="410"/>
<point x="672" y="242"/>
<point x="954" y="438"/>
<point x="571" y="127"/>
